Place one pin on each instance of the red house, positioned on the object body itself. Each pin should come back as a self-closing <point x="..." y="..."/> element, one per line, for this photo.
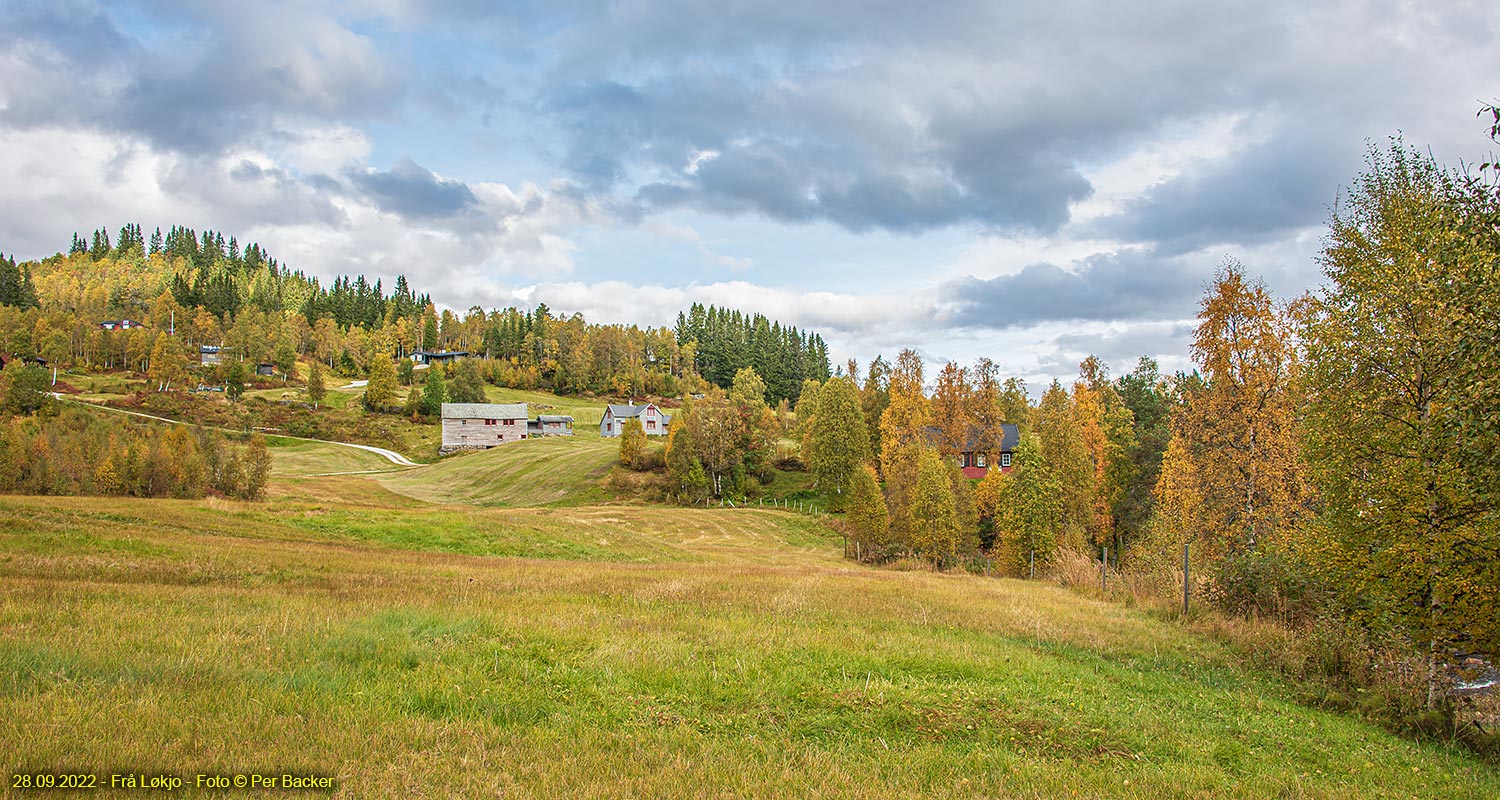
<point x="977" y="462"/>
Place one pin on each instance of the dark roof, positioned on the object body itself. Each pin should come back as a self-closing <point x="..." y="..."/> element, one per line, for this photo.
<point x="554" y="418"/>
<point x="627" y="411"/>
<point x="1010" y="438"/>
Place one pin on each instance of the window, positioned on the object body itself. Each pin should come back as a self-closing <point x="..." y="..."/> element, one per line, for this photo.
<point x="650" y="424"/>
<point x="979" y="459"/>
<point x="489" y="422"/>
<point x="510" y="422"/>
<point x="1005" y="459"/>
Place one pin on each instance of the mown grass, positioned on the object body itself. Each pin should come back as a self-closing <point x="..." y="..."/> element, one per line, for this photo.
<point x="698" y="654"/>
<point x="554" y="470"/>
<point x="585" y="411"/>
<point x="296" y="458"/>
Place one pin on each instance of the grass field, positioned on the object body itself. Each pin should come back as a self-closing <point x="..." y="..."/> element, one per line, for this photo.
<point x="535" y="472"/>
<point x="410" y="649"/>
<point x="297" y="458"/>
<point x="586" y="412"/>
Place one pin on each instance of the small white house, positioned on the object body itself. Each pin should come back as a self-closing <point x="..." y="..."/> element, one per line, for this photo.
<point x="653" y="421"/>
<point x="477" y="426"/>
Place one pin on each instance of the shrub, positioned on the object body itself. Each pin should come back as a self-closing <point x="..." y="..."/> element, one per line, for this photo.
<point x="1264" y="583"/>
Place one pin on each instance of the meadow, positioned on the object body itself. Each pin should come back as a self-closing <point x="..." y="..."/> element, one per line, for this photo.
<point x="407" y="647"/>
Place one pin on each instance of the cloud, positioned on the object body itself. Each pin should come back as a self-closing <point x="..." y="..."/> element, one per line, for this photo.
<point x="210" y="78"/>
<point x="1283" y="183"/>
<point x="1111" y="286"/>
<point x="412" y="191"/>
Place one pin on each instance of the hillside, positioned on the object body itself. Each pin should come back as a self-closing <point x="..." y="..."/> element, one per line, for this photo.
<point x="535" y="472"/>
<point x="406" y="649"/>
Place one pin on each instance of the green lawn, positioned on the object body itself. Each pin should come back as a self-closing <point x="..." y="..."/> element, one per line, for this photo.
<point x="296" y="458"/>
<point x="533" y="472"/>
<point x="416" y="650"/>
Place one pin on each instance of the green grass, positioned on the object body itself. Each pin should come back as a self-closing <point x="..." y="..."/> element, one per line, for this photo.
<point x="729" y="653"/>
<point x="586" y="412"/>
<point x="295" y="458"/>
<point x="554" y="470"/>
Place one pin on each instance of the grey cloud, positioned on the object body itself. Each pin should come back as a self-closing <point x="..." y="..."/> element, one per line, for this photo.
<point x="222" y="78"/>
<point x="1124" y="286"/>
<point x="1168" y="342"/>
<point x="1274" y="187"/>
<point x="414" y="192"/>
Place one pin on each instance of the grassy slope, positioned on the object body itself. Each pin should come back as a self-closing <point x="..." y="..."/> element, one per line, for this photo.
<point x="552" y="470"/>
<point x="293" y="458"/>
<point x="716" y="653"/>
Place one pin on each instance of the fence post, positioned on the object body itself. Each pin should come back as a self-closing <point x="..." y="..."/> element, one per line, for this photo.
<point x="1103" y="569"/>
<point x="1033" y="563"/>
<point x="1185" y="583"/>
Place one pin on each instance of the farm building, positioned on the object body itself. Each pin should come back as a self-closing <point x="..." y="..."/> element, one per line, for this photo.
<point x="653" y="421"/>
<point x="550" y="425"/>
<point x="265" y="369"/>
<point x="210" y="355"/>
<point x="477" y="426"/>
<point x="438" y="357"/>
<point x="120" y="325"/>
<point x="976" y="460"/>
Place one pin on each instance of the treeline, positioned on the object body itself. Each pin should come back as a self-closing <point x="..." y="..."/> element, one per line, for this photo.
<point x="71" y="451"/>
<point x="203" y="288"/>
<point x="1333" y="458"/>
<point x="724" y="341"/>
<point x="16" y="288"/>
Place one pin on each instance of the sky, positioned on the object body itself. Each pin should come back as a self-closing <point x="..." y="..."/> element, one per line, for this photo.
<point x="1031" y="183"/>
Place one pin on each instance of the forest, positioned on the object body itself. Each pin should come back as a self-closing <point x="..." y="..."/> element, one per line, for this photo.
<point x="203" y="289"/>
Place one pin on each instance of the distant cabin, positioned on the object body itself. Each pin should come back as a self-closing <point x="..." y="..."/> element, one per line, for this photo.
<point x="265" y="369"/>
<point x="550" y="425"/>
<point x="477" y="426"/>
<point x="976" y="461"/>
<point x="653" y="421"/>
<point x="209" y="355"/>
<point x="438" y="357"/>
<point x="120" y="325"/>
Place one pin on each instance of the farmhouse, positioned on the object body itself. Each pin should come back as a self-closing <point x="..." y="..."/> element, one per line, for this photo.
<point x="980" y="456"/>
<point x="477" y="426"/>
<point x="653" y="421"/>
<point x="209" y="355"/>
<point x="550" y="425"/>
<point x="438" y="357"/>
<point x="120" y="325"/>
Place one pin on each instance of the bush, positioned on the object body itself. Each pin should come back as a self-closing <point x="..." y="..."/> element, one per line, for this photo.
<point x="1264" y="583"/>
